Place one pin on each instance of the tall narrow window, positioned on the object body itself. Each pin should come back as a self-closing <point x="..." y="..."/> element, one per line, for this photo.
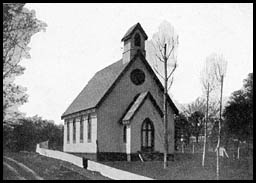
<point x="68" y="133"/>
<point x="74" y="130"/>
<point x="89" y="129"/>
<point x="147" y="135"/>
<point x="124" y="134"/>
<point x="137" y="39"/>
<point x="81" y="129"/>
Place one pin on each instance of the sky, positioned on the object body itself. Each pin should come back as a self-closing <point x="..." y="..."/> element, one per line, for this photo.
<point x="82" y="39"/>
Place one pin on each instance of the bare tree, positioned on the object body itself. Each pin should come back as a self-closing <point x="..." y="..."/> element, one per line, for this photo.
<point x="197" y="105"/>
<point x="209" y="82"/>
<point x="163" y="54"/>
<point x="220" y="68"/>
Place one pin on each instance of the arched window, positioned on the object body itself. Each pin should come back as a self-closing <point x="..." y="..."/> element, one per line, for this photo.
<point x="137" y="39"/>
<point x="124" y="134"/>
<point x="147" y="135"/>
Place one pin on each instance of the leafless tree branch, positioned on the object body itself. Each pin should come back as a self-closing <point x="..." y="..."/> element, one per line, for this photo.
<point x="175" y="66"/>
<point x="158" y="72"/>
<point x="170" y="52"/>
<point x="170" y="84"/>
<point x="159" y="58"/>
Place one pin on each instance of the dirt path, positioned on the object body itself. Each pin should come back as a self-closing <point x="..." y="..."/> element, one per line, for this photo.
<point x="11" y="173"/>
<point x="20" y="170"/>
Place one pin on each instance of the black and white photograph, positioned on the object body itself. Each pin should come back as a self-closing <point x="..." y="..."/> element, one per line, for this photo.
<point x="127" y="91"/>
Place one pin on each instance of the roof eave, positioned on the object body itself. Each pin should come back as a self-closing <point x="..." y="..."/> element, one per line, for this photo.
<point x="81" y="112"/>
<point x="151" y="98"/>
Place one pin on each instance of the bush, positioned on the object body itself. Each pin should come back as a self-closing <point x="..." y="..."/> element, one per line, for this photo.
<point x="30" y="131"/>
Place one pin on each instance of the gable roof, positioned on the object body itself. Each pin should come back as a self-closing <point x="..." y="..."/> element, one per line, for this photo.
<point x="130" y="31"/>
<point x="102" y="84"/>
<point x="95" y="88"/>
<point x="136" y="104"/>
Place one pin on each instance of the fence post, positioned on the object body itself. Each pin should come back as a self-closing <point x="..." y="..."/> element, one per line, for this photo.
<point x="193" y="148"/>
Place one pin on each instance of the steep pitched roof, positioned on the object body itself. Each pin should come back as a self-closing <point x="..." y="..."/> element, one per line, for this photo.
<point x="102" y="83"/>
<point x="136" y="104"/>
<point x="129" y="33"/>
<point x="96" y="88"/>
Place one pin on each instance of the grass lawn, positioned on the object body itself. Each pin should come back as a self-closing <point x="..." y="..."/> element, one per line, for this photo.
<point x="187" y="166"/>
<point x="53" y="169"/>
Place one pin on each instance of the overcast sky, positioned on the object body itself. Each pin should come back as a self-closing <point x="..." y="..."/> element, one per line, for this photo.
<point x="81" y="39"/>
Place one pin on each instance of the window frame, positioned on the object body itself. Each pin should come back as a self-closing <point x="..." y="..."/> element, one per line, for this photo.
<point x="137" y="40"/>
<point x="137" y="76"/>
<point x="125" y="134"/>
<point x="81" y="129"/>
<point x="74" y="130"/>
<point x="147" y="128"/>
<point x="89" y="128"/>
<point x="68" y="132"/>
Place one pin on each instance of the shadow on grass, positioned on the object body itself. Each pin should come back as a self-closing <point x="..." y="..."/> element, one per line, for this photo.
<point x="188" y="167"/>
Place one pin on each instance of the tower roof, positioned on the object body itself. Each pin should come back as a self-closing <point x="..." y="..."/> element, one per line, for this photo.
<point x="129" y="33"/>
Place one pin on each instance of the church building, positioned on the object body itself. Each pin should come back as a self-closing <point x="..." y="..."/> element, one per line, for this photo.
<point x="120" y="110"/>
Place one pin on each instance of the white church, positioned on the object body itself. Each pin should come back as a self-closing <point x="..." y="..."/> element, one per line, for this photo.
<point x="120" y="111"/>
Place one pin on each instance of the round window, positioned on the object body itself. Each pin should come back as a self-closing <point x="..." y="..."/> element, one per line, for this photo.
<point x="137" y="76"/>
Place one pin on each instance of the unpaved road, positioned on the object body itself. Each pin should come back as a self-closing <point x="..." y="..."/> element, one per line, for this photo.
<point x="32" y="166"/>
<point x="15" y="170"/>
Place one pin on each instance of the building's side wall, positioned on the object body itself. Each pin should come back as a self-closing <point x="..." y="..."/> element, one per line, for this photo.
<point x="171" y="131"/>
<point x="110" y="131"/>
<point x="147" y="110"/>
<point x="81" y="146"/>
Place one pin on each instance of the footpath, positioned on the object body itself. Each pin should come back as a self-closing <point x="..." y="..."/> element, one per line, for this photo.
<point x="107" y="171"/>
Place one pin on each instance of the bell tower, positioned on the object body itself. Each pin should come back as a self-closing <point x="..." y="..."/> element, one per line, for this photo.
<point x="134" y="40"/>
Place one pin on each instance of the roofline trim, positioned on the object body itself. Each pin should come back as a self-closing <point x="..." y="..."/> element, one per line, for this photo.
<point x="138" y="54"/>
<point x="151" y="98"/>
<point x="77" y="113"/>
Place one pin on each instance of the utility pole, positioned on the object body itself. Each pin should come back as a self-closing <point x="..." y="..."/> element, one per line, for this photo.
<point x="165" y="109"/>
<point x="218" y="145"/>
<point x="205" y="127"/>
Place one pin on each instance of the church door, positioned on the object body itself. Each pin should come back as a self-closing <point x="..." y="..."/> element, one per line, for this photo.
<point x="147" y="136"/>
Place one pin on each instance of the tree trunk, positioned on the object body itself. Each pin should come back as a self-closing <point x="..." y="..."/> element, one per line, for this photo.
<point x="205" y="128"/>
<point x="193" y="148"/>
<point x="238" y="149"/>
<point x="165" y="110"/>
<point x="218" y="145"/>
